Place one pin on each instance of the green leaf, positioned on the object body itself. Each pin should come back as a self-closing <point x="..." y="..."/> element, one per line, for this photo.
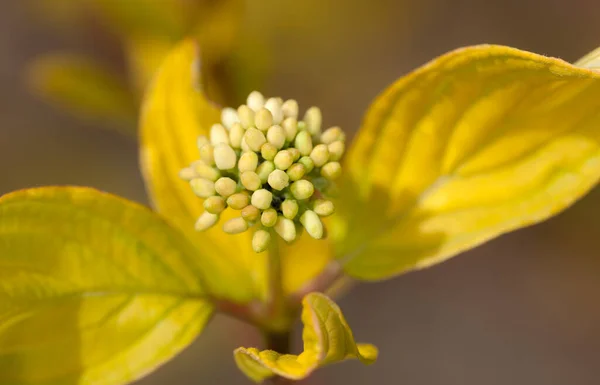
<point x="479" y="142"/>
<point x="85" y="89"/>
<point x="327" y="339"/>
<point x="175" y="113"/>
<point x="94" y="289"/>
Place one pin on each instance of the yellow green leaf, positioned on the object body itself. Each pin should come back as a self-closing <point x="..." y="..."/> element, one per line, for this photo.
<point x="327" y="339"/>
<point x="174" y="114"/>
<point x="591" y="60"/>
<point x="93" y="289"/>
<point x="83" y="88"/>
<point x="479" y="142"/>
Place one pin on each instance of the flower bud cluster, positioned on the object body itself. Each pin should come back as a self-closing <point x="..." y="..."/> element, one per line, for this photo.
<point x="273" y="168"/>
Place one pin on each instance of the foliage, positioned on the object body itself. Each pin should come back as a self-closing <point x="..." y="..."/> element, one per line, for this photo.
<point x="479" y="142"/>
<point x="146" y="30"/>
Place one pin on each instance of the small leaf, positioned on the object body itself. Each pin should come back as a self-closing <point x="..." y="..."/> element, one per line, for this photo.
<point x="85" y="89"/>
<point x="327" y="340"/>
<point x="175" y="113"/>
<point x="93" y="289"/>
<point x="479" y="142"/>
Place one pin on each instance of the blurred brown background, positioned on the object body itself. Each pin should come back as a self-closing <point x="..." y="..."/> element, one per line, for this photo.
<point x="522" y="309"/>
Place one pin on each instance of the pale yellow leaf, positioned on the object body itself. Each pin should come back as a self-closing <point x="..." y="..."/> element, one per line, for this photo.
<point x="84" y="88"/>
<point x="327" y="339"/>
<point x="93" y="289"/>
<point x="175" y="113"/>
<point x="480" y="141"/>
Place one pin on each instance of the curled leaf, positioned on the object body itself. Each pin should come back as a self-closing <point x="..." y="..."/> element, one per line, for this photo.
<point x="327" y="339"/>
<point x="479" y="142"/>
<point x="93" y="289"/>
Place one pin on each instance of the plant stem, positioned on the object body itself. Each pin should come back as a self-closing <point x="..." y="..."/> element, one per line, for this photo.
<point x="277" y="380"/>
<point x="281" y="343"/>
<point x="275" y="300"/>
<point x="278" y="341"/>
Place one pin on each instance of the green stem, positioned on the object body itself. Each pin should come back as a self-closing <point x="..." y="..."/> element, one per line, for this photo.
<point x="275" y="300"/>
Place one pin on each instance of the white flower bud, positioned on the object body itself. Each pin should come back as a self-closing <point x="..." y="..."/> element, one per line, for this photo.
<point x="274" y="105"/>
<point x="286" y="229"/>
<point x="264" y="169"/>
<point x="276" y="136"/>
<point x="214" y="204"/>
<point x="323" y="207"/>
<point x="268" y="151"/>
<point x="262" y="199"/>
<point x="236" y="134"/>
<point x="218" y="134"/>
<point x="303" y="143"/>
<point x="289" y="208"/>
<point x="296" y="172"/>
<point x="250" y="213"/>
<point x="336" y="150"/>
<point x="331" y="170"/>
<point x="260" y="240"/>
<point x="313" y="118"/>
<point x="225" y="157"/>
<point x="229" y="117"/>
<point x="266" y="163"/>
<point x="225" y="187"/>
<point x="332" y="134"/>
<point x="246" y="115"/>
<point x="255" y="139"/>
<point x="206" y="221"/>
<point x="238" y="201"/>
<point x="244" y="146"/>
<point x="207" y="154"/>
<point x="263" y="119"/>
<point x="255" y="100"/>
<point x="187" y="174"/>
<point x="308" y="163"/>
<point x="320" y="155"/>
<point x="250" y="180"/>
<point x="248" y="162"/>
<point x="302" y="189"/>
<point x="235" y="226"/>
<point x="290" y="126"/>
<point x="202" y="187"/>
<point x="278" y="180"/>
<point x="206" y="172"/>
<point x="283" y="160"/>
<point x="269" y="217"/>
<point x="295" y="153"/>
<point x="290" y="109"/>
<point x="312" y="223"/>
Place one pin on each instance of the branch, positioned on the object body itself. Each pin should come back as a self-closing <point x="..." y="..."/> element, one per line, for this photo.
<point x="322" y="282"/>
